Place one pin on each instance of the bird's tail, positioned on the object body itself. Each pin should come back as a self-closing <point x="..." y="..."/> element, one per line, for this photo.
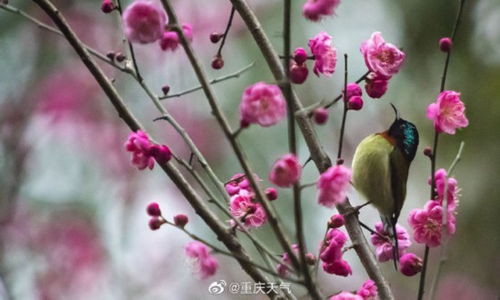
<point x="395" y="249"/>
<point x="390" y="227"/>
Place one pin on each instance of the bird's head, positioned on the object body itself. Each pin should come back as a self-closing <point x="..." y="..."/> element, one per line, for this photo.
<point x="405" y="135"/>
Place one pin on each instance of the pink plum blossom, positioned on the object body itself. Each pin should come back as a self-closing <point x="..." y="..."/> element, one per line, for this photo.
<point x="262" y="104"/>
<point x="250" y="213"/>
<point x="332" y="185"/>
<point x="315" y="9"/>
<point x="325" y="55"/>
<point x="320" y="115"/>
<point x="368" y="290"/>
<point x="448" y="186"/>
<point x="427" y="223"/>
<point x="170" y="40"/>
<point x="410" y="264"/>
<point x="331" y="253"/>
<point x="384" y="247"/>
<point x="144" y="22"/>
<point x="286" y="171"/>
<point x="448" y="112"/>
<point x="200" y="258"/>
<point x="138" y="144"/>
<point x="381" y="57"/>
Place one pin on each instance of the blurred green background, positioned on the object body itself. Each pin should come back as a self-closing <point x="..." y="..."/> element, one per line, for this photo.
<point x="72" y="222"/>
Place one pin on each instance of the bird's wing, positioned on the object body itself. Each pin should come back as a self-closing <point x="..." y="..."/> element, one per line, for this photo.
<point x="398" y="166"/>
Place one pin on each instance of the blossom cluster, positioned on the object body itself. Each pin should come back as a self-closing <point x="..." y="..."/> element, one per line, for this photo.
<point x="242" y="204"/>
<point x="383" y="61"/>
<point x="145" y="152"/>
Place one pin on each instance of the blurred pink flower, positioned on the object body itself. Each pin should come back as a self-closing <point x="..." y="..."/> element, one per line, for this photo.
<point x="384" y="247"/>
<point x="380" y="57"/>
<point x="250" y="213"/>
<point x="262" y="104"/>
<point x="203" y="263"/>
<point x="170" y="40"/>
<point x="427" y="223"/>
<point x="346" y="296"/>
<point x="73" y="253"/>
<point x="286" y="171"/>
<point x="144" y="22"/>
<point x="410" y="264"/>
<point x="448" y="112"/>
<point x="325" y="55"/>
<point x="332" y="185"/>
<point x="284" y="267"/>
<point x="376" y="85"/>
<point x="368" y="291"/>
<point x="315" y="9"/>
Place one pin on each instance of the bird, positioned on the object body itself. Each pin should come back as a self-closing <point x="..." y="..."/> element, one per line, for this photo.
<point x="380" y="169"/>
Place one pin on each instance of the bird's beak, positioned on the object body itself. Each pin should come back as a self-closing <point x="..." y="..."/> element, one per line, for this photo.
<point x="395" y="111"/>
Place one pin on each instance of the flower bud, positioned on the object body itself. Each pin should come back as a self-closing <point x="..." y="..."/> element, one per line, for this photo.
<point x="353" y="89"/>
<point x="181" y="220"/>
<point x="161" y="153"/>
<point x="153" y="209"/>
<point x="298" y="73"/>
<point x="155" y="223"/>
<point x="217" y="63"/>
<point x="336" y="221"/>
<point x="271" y="194"/>
<point x="428" y="151"/>
<point x="111" y="55"/>
<point x="215" y="37"/>
<point x="355" y="103"/>
<point x="300" y="56"/>
<point x="445" y="44"/>
<point x="320" y="115"/>
<point x="107" y="6"/>
<point x="120" y="57"/>
<point x="410" y="264"/>
<point x="165" y="89"/>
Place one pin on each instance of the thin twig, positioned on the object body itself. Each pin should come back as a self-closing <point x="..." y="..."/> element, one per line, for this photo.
<point x="344" y="113"/>
<point x="421" y="288"/>
<point x="444" y="244"/>
<point x="97" y="54"/>
<point x="236" y="74"/>
<point x="226" y="31"/>
<point x="292" y="147"/>
<point x="130" y="47"/>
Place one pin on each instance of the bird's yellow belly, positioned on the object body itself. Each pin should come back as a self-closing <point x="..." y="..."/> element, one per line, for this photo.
<point x="371" y="172"/>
